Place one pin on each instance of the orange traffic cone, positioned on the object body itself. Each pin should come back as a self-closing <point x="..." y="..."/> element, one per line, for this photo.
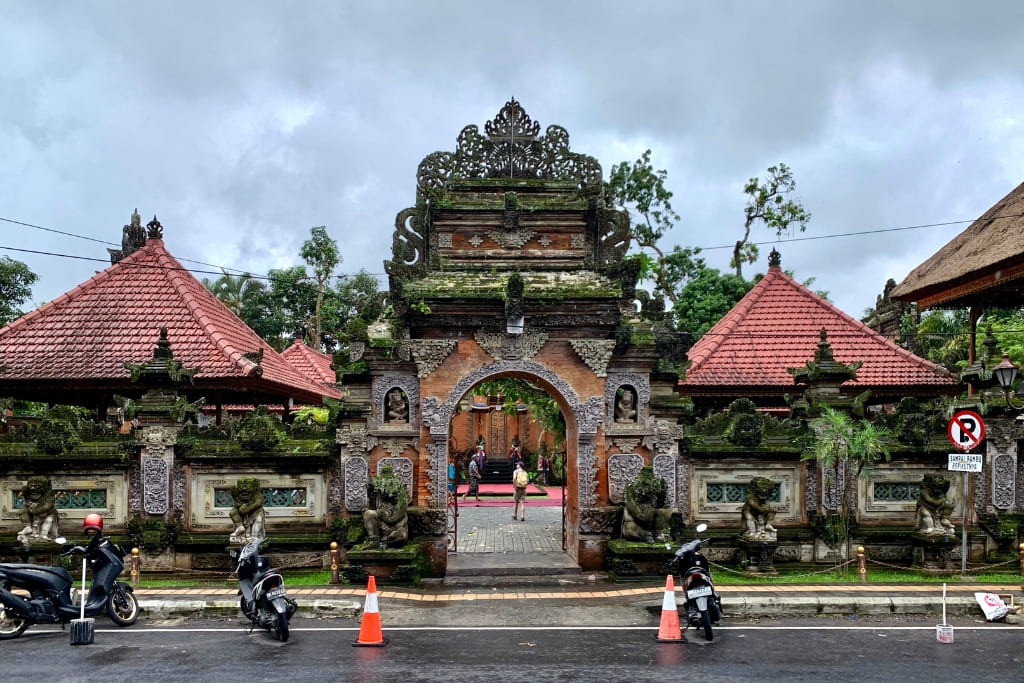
<point x="668" y="630"/>
<point x="370" y="634"/>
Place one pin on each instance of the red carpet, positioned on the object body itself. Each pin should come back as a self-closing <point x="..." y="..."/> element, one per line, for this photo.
<point x="500" y="495"/>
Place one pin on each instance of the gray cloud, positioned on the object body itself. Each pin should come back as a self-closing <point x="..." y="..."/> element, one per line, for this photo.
<point x="242" y="124"/>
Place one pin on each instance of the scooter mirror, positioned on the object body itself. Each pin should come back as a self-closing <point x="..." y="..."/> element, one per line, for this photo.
<point x="60" y="540"/>
<point x="701" y="528"/>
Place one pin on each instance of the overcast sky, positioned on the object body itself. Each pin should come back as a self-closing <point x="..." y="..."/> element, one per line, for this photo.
<point x="243" y="124"/>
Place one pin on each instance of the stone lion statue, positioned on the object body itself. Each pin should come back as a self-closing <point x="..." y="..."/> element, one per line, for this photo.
<point x="645" y="517"/>
<point x="247" y="512"/>
<point x="933" y="508"/>
<point x="757" y="513"/>
<point x="40" y="514"/>
<point x="387" y="523"/>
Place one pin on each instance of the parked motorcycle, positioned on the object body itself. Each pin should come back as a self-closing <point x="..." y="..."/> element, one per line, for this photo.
<point x="264" y="599"/>
<point x="703" y="604"/>
<point x="50" y="599"/>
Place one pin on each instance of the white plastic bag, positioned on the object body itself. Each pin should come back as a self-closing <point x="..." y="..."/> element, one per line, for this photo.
<point x="992" y="605"/>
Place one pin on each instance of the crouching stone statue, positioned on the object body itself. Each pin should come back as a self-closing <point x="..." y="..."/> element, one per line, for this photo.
<point x="933" y="508"/>
<point x="645" y="517"/>
<point x="757" y="513"/>
<point x="387" y="523"/>
<point x="247" y="512"/>
<point x="40" y="514"/>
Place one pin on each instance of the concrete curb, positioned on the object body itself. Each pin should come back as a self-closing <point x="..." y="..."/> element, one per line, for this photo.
<point x="747" y="606"/>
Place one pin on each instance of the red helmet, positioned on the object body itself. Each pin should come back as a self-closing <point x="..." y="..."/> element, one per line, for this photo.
<point x="93" y="522"/>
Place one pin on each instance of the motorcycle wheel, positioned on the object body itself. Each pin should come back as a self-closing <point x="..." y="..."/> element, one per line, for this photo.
<point x="281" y="630"/>
<point x="123" y="608"/>
<point x="10" y="625"/>
<point x="713" y="611"/>
<point x="705" y="624"/>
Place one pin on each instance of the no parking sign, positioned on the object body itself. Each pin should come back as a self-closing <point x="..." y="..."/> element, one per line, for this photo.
<point x="966" y="430"/>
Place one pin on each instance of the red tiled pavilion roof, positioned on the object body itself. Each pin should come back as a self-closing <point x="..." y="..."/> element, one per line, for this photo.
<point x="314" y="364"/>
<point x="79" y="341"/>
<point x="777" y="326"/>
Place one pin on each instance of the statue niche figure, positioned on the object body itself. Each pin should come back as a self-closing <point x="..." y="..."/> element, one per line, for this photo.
<point x="387" y="523"/>
<point x="933" y="508"/>
<point x="247" y="512"/>
<point x="398" y="407"/>
<point x="757" y="513"/>
<point x="645" y="517"/>
<point x="625" y="406"/>
<point x="40" y="514"/>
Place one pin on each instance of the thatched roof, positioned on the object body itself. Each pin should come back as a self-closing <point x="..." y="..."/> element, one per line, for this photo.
<point x="983" y="266"/>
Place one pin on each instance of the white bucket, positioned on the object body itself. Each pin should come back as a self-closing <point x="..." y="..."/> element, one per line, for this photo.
<point x="944" y="633"/>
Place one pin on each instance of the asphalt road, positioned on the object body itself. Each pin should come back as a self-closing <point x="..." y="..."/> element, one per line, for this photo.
<point x="881" y="649"/>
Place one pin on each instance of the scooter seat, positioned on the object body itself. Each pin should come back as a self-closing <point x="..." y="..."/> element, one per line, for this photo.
<point x="35" y="573"/>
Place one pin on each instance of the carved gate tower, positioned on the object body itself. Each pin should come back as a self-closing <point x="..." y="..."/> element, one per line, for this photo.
<point x="511" y="264"/>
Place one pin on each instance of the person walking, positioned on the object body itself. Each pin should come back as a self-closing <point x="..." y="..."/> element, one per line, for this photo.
<point x="520" y="480"/>
<point x="474" y="480"/>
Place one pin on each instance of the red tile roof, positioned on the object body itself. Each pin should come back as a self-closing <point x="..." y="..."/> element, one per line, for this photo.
<point x="777" y="325"/>
<point x="314" y="364"/>
<point x="115" y="316"/>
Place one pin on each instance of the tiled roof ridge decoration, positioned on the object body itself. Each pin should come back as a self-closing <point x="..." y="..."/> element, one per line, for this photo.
<point x="162" y="364"/>
<point x="718" y="359"/>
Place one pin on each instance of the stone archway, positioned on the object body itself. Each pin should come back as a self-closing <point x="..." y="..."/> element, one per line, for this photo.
<point x="511" y="263"/>
<point x="583" y="419"/>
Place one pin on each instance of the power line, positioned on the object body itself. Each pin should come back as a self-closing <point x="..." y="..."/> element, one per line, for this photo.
<point x="241" y="271"/>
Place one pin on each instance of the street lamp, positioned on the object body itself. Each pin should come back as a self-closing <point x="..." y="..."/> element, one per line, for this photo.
<point x="1006" y="374"/>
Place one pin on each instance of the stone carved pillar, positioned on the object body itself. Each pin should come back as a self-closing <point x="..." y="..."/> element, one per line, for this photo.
<point x="355" y="443"/>
<point x="1002" y="457"/>
<point x="156" y="462"/>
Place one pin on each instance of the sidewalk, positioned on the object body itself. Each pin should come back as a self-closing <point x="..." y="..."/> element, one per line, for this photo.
<point x="589" y="605"/>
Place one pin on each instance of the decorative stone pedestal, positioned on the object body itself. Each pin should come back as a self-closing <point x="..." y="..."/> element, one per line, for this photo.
<point x="632" y="560"/>
<point x="387" y="566"/>
<point x="760" y="554"/>
<point x="932" y="552"/>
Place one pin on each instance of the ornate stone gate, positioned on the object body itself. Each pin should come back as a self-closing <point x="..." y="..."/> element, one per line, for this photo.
<point x="512" y="265"/>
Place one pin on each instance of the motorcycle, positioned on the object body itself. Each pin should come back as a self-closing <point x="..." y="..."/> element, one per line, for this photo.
<point x="49" y="589"/>
<point x="703" y="604"/>
<point x="264" y="600"/>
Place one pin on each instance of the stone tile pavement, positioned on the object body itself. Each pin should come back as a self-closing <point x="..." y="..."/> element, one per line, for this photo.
<point x="492" y="529"/>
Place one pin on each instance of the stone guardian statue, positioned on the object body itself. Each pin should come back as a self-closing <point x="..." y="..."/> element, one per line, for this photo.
<point x="247" y="512"/>
<point x="387" y="522"/>
<point x="40" y="514"/>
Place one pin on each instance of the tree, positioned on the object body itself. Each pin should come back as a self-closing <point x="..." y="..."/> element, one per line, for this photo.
<point x="231" y="289"/>
<point x="16" y="282"/>
<point x="767" y="203"/>
<point x="705" y="298"/>
<point x="641" y="190"/>
<point x="358" y="301"/>
<point x="840" y="444"/>
<point x="321" y="253"/>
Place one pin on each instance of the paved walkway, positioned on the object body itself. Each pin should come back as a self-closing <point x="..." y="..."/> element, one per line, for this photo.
<point x="492" y="529"/>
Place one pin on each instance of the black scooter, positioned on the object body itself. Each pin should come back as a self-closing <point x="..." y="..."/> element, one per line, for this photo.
<point x="264" y="600"/>
<point x="49" y="588"/>
<point x="703" y="604"/>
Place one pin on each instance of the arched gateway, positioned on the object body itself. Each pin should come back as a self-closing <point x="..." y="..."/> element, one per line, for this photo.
<point x="512" y="264"/>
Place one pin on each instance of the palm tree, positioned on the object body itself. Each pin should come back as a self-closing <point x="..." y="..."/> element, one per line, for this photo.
<point x="231" y="289"/>
<point x="841" y="444"/>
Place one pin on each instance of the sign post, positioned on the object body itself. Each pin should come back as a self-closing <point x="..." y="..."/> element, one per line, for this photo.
<point x="966" y="430"/>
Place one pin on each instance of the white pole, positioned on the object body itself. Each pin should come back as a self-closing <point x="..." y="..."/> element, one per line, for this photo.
<point x="963" y="543"/>
<point x="943" y="604"/>
<point x="83" y="588"/>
